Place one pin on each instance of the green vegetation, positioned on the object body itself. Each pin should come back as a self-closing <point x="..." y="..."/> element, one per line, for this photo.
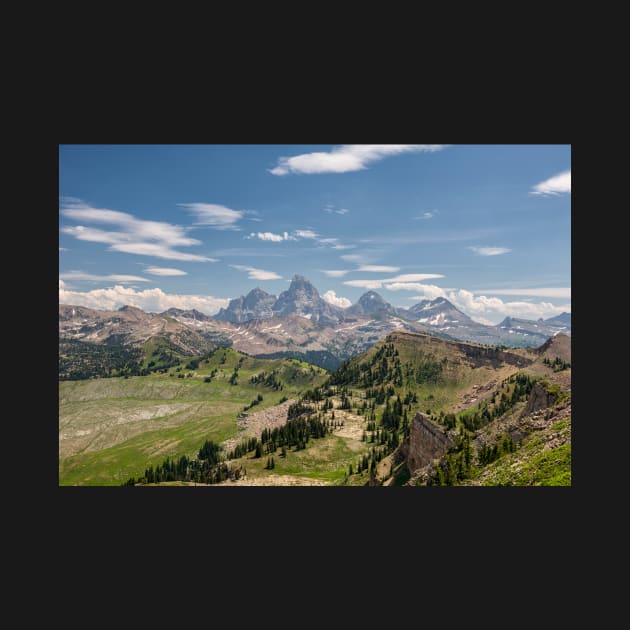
<point x="112" y="429"/>
<point x="534" y="463"/>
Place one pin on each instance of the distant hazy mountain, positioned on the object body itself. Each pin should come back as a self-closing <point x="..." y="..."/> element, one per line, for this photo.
<point x="371" y="304"/>
<point x="298" y="321"/>
<point x="257" y="304"/>
<point x="440" y="313"/>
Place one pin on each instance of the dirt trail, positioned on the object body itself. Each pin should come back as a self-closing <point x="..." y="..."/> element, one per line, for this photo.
<point x="252" y="425"/>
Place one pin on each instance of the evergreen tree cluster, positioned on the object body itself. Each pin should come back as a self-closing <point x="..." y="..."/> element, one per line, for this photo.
<point x="558" y="364"/>
<point x="207" y="468"/>
<point x="270" y="380"/>
<point x="254" y="402"/>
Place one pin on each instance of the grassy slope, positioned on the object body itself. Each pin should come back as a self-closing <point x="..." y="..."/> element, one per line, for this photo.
<point x="114" y="428"/>
<point x="544" y="459"/>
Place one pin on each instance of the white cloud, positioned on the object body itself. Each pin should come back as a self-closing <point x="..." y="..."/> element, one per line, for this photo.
<point x="257" y="274"/>
<point x="340" y="246"/>
<point x="159" y="251"/>
<point x="346" y="158"/>
<point x="497" y="309"/>
<point x="165" y="271"/>
<point x="490" y="251"/>
<point x="133" y="236"/>
<point x="427" y="215"/>
<point x="482" y="308"/>
<point x="405" y="281"/>
<point x="270" y="236"/>
<point x="332" y="298"/>
<point x="430" y="291"/>
<point x="80" y="275"/>
<point x="216" y="216"/>
<point x="548" y="292"/>
<point x="556" y="185"/>
<point x="306" y="234"/>
<point x="63" y="249"/>
<point x="342" y="211"/>
<point x="335" y="273"/>
<point x="414" y="277"/>
<point x="151" y="300"/>
<point x="378" y="268"/>
<point x="354" y="258"/>
<point x="365" y="284"/>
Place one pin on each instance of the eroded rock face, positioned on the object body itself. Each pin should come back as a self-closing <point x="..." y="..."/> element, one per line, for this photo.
<point x="539" y="398"/>
<point x="426" y="442"/>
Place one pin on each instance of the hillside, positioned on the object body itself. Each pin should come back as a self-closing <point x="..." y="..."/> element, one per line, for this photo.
<point x="413" y="409"/>
<point x="111" y="428"/>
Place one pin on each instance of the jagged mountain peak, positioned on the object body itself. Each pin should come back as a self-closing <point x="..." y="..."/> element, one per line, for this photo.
<point x="370" y="303"/>
<point x="303" y="299"/>
<point x="257" y="304"/>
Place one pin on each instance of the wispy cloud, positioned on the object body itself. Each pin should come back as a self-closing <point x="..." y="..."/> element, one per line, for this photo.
<point x="490" y="251"/>
<point x="215" y="216"/>
<point x="165" y="271"/>
<point x="270" y="236"/>
<point x="427" y="215"/>
<point x="346" y="158"/>
<point x="298" y="235"/>
<point x="378" y="268"/>
<point x="306" y="234"/>
<point x="335" y="273"/>
<point x="548" y="292"/>
<point x="330" y="209"/>
<point x="151" y="300"/>
<point x="556" y="185"/>
<point x="132" y="236"/>
<point x="257" y="274"/>
<point x="365" y="284"/>
<point x="354" y="258"/>
<point x="406" y="281"/>
<point x="63" y="249"/>
<point x="91" y="277"/>
<point x="332" y="298"/>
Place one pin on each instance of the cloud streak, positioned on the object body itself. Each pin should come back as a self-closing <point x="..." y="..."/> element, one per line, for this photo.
<point x="557" y="185"/>
<point x="132" y="235"/>
<point x="270" y="236"/>
<point x="215" y="216"/>
<point x="378" y="268"/>
<point x="346" y="158"/>
<point x="406" y="281"/>
<point x="490" y="251"/>
<point x="91" y="277"/>
<point x="426" y="215"/>
<point x="335" y="273"/>
<point x="165" y="271"/>
<point x="257" y="274"/>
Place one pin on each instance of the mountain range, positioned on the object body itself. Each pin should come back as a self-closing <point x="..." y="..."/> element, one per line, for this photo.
<point x="297" y="322"/>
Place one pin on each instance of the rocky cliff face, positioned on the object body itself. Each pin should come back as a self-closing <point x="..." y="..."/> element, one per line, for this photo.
<point x="540" y="397"/>
<point x="257" y="304"/>
<point x="426" y="443"/>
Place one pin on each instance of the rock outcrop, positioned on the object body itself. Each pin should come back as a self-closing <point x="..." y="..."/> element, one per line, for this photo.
<point x="426" y="443"/>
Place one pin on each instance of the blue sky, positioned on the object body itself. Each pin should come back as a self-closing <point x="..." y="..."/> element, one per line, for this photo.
<point x="191" y="226"/>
